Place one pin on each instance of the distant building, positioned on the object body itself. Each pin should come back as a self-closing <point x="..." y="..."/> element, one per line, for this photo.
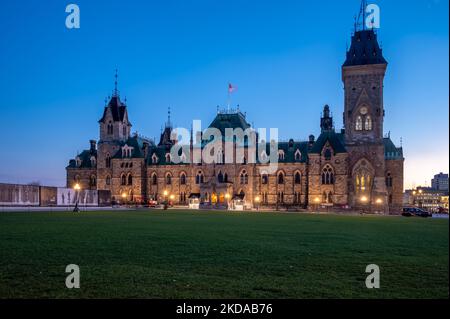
<point x="427" y="198"/>
<point x="440" y="182"/>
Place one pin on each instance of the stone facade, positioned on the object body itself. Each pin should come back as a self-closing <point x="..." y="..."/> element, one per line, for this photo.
<point x="355" y="168"/>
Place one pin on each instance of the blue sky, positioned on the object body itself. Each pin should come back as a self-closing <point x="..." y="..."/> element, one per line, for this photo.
<point x="284" y="56"/>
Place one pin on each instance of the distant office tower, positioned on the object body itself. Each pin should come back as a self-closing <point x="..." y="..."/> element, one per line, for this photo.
<point x="440" y="182"/>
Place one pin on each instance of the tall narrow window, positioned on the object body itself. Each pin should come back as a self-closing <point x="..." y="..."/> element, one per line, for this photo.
<point x="154" y="179"/>
<point x="108" y="180"/>
<point x="368" y="124"/>
<point x="297" y="178"/>
<point x="183" y="179"/>
<point x="130" y="179"/>
<point x="359" y="123"/>
<point x="327" y="175"/>
<point x="280" y="178"/>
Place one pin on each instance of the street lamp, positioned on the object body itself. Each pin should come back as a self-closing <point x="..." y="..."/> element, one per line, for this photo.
<point x="257" y="200"/>
<point x="166" y="193"/>
<point x="364" y="201"/>
<point x="77" y="188"/>
<point x="124" y="197"/>
<point x="227" y="197"/>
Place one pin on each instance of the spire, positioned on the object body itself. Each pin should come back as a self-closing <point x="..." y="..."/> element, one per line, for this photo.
<point x="326" y="122"/>
<point x="361" y="20"/>
<point x="116" y="92"/>
<point x="169" y="123"/>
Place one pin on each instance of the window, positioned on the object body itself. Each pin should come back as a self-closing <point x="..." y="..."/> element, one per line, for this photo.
<point x="389" y="180"/>
<point x="123" y="179"/>
<point x="359" y="123"/>
<point x="93" y="161"/>
<point x="168" y="159"/>
<point x="130" y="179"/>
<point x="124" y="130"/>
<point x="109" y="128"/>
<point x="280" y="178"/>
<point x="225" y="178"/>
<point x="264" y="179"/>
<point x="154" y="179"/>
<point x="327" y="154"/>
<point x="199" y="179"/>
<point x="220" y="177"/>
<point x="281" y="155"/>
<point x="183" y="179"/>
<point x="297" y="178"/>
<point x="243" y="177"/>
<point x="154" y="159"/>
<point x="168" y="179"/>
<point x="298" y="155"/>
<point x="93" y="181"/>
<point x="108" y="180"/>
<point x="368" y="124"/>
<point x="327" y="175"/>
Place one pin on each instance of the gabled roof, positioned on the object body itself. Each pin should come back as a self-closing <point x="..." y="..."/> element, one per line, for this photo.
<point x="117" y="107"/>
<point x="336" y="141"/>
<point x="364" y="49"/>
<point x="391" y="151"/>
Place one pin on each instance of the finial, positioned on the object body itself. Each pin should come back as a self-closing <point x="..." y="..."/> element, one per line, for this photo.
<point x="401" y="141"/>
<point x="168" y="117"/>
<point x="115" y="83"/>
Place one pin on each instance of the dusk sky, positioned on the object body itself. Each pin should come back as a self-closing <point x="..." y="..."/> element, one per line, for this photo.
<point x="285" y="57"/>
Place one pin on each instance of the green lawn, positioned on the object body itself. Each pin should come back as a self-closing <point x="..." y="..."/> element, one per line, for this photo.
<point x="185" y="254"/>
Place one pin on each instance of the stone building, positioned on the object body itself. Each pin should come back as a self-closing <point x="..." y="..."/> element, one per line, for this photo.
<point x="357" y="167"/>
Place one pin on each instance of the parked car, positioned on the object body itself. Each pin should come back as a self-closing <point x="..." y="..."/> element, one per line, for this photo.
<point x="414" y="211"/>
<point x="152" y="203"/>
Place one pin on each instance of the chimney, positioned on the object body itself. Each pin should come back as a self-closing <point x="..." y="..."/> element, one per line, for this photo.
<point x="145" y="148"/>
<point x="93" y="145"/>
<point x="311" y="140"/>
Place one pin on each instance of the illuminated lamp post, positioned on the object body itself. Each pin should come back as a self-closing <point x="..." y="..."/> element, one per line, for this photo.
<point x="77" y="188"/>
<point x="257" y="200"/>
<point x="317" y="201"/>
<point x="363" y="201"/>
<point x="124" y="198"/>
<point x="172" y="197"/>
<point x="379" y="202"/>
<point x="166" y="193"/>
<point x="227" y="197"/>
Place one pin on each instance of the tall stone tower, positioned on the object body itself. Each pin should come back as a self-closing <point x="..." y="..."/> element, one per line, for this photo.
<point x="363" y="76"/>
<point x="114" y="130"/>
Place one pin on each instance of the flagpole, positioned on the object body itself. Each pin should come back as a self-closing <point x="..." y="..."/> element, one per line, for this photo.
<point x="228" y="99"/>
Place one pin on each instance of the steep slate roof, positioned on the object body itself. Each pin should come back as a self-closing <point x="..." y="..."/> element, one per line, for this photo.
<point x="391" y="151"/>
<point x="233" y="120"/>
<point x="336" y="141"/>
<point x="364" y="49"/>
<point x="85" y="157"/>
<point x="117" y="107"/>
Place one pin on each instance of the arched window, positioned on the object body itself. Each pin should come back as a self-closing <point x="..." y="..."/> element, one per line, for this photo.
<point x="327" y="154"/>
<point x="280" y="178"/>
<point x="168" y="179"/>
<point x="225" y="178"/>
<point x="108" y="180"/>
<point x="220" y="177"/>
<point x="93" y="181"/>
<point x="368" y="124"/>
<point x="108" y="160"/>
<point x="281" y="155"/>
<point x="199" y="179"/>
<point x="168" y="159"/>
<point x="359" y="123"/>
<point x="298" y="155"/>
<point x="297" y="178"/>
<point x="123" y="179"/>
<point x="130" y="179"/>
<point x="154" y="179"/>
<point x="110" y="128"/>
<point x="389" y="180"/>
<point x="183" y="179"/>
<point x="264" y="179"/>
<point x="243" y="177"/>
<point x="154" y="159"/>
<point x="327" y="175"/>
<point x="124" y="130"/>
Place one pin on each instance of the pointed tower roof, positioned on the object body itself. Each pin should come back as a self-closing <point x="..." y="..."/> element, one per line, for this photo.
<point x="115" y="105"/>
<point x="364" y="49"/>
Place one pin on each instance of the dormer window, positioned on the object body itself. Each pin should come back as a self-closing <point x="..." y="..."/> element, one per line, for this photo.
<point x="93" y="161"/>
<point x="154" y="159"/>
<point x="281" y="155"/>
<point x="263" y="156"/>
<point x="109" y="128"/>
<point x="168" y="158"/>
<point x="127" y="151"/>
<point x="298" y="155"/>
<point x="78" y="161"/>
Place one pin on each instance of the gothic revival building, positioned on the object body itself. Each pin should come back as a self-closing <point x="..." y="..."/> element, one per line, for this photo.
<point x="357" y="167"/>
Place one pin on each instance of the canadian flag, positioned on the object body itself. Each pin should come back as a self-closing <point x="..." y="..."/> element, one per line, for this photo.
<point x="231" y="88"/>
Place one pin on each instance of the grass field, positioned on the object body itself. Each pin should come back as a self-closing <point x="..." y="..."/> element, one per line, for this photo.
<point x="185" y="254"/>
